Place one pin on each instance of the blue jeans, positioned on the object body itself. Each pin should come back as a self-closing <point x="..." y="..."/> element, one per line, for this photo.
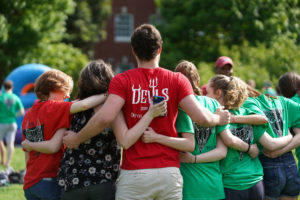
<point x="281" y="177"/>
<point x="46" y="189"/>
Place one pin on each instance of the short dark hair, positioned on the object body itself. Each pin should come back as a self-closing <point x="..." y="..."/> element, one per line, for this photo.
<point x="94" y="79"/>
<point x="289" y="84"/>
<point x="8" y="85"/>
<point x="146" y="41"/>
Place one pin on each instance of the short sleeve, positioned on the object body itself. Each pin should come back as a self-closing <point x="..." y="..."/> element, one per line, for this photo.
<point x="258" y="131"/>
<point x="118" y="86"/>
<point x="184" y="87"/>
<point x="293" y="111"/>
<point x="184" y="123"/>
<point x="253" y="105"/>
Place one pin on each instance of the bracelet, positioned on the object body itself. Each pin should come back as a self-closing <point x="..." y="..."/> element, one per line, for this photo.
<point x="248" y="148"/>
<point x="195" y="158"/>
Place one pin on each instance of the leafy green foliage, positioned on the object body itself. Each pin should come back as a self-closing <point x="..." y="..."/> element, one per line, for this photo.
<point x="86" y="25"/>
<point x="262" y="36"/>
<point x="31" y="31"/>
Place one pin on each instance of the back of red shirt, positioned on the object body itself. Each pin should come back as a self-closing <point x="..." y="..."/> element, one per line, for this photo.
<point x="40" y="123"/>
<point x="137" y="87"/>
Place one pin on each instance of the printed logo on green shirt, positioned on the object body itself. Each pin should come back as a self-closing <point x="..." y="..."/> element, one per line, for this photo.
<point x="245" y="133"/>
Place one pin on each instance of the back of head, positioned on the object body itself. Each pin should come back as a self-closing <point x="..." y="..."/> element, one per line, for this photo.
<point x="146" y="41"/>
<point x="190" y="71"/>
<point x="51" y="81"/>
<point x="94" y="79"/>
<point x="8" y="85"/>
<point x="289" y="84"/>
<point x="234" y="90"/>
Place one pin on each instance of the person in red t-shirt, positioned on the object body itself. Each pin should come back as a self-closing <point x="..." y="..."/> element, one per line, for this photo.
<point x="148" y="171"/>
<point x="224" y="65"/>
<point x="40" y="123"/>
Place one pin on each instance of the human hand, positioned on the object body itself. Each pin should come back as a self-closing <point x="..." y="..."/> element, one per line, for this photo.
<point x="69" y="140"/>
<point x="272" y="154"/>
<point x="159" y="109"/>
<point x="26" y="145"/>
<point x="186" y="157"/>
<point x="149" y="135"/>
<point x="253" y="151"/>
<point x="224" y="116"/>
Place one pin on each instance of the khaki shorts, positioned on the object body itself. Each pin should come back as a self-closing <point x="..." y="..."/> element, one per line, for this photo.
<point x="8" y="131"/>
<point x="148" y="184"/>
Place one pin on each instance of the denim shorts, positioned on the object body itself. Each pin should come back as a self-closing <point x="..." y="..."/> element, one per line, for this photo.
<point x="281" y="177"/>
<point x="47" y="188"/>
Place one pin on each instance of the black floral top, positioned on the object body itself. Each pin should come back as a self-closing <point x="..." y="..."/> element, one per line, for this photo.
<point x="95" y="161"/>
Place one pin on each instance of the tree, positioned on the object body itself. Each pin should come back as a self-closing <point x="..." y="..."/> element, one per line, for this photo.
<point x="196" y="29"/>
<point x="31" y="31"/>
<point x="86" y="26"/>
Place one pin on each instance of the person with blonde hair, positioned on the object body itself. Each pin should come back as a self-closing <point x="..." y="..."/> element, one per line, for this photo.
<point x="242" y="173"/>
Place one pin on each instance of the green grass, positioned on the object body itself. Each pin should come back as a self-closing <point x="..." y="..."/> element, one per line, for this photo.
<point x="15" y="191"/>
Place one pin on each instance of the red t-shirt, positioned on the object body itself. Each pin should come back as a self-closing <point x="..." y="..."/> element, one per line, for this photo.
<point x="137" y="87"/>
<point x="39" y="124"/>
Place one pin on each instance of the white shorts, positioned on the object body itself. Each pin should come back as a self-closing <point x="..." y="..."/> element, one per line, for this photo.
<point x="149" y="184"/>
<point x="8" y="131"/>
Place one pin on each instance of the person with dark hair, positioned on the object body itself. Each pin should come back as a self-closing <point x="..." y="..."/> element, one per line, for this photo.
<point x="224" y="65"/>
<point x="148" y="170"/>
<point x="289" y="86"/>
<point x="281" y="178"/>
<point x="10" y="107"/>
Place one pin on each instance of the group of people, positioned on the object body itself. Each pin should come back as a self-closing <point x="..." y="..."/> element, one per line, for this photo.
<point x="233" y="143"/>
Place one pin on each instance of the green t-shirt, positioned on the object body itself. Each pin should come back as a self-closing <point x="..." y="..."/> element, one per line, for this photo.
<point x="201" y="180"/>
<point x="240" y="171"/>
<point x="296" y="98"/>
<point x="10" y="104"/>
<point x="282" y="113"/>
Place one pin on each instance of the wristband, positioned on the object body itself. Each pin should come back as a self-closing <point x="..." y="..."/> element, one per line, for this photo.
<point x="249" y="141"/>
<point x="195" y="158"/>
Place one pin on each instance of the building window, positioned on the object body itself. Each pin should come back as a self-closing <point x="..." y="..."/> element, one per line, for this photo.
<point x="123" y="27"/>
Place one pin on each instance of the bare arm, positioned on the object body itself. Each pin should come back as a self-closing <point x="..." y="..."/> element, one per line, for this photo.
<point x="236" y="143"/>
<point x="21" y="112"/>
<point x="273" y="144"/>
<point x="292" y="145"/>
<point x="254" y="119"/>
<point x="49" y="146"/>
<point x="202" y="115"/>
<point x="26" y="154"/>
<point x="100" y="120"/>
<point x="87" y="103"/>
<point x="185" y="143"/>
<point x="127" y="137"/>
<point x="216" y="154"/>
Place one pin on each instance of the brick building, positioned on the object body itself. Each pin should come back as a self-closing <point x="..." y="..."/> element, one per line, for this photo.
<point x="126" y="16"/>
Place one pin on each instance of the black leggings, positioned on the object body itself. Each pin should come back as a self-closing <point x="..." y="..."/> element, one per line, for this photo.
<point x="256" y="192"/>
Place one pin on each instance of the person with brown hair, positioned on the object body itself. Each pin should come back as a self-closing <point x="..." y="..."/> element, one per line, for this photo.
<point x="148" y="170"/>
<point x="242" y="173"/>
<point x="289" y="86"/>
<point x="49" y="114"/>
<point x="281" y="178"/>
<point x="11" y="107"/>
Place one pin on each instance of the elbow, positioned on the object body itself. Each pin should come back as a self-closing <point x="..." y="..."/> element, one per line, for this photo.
<point x="125" y="146"/>
<point x="228" y="142"/>
<point x="223" y="153"/>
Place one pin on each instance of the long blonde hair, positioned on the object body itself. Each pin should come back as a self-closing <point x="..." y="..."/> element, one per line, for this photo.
<point x="234" y="90"/>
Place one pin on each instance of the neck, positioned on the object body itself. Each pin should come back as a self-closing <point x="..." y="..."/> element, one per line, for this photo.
<point x="56" y="96"/>
<point x="8" y="91"/>
<point x="151" y="64"/>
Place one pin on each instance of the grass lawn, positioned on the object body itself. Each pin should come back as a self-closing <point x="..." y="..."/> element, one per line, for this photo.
<point x="15" y="191"/>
